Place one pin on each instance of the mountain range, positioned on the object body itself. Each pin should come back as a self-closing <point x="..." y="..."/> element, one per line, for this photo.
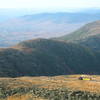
<point x="43" y="25"/>
<point x="75" y="53"/>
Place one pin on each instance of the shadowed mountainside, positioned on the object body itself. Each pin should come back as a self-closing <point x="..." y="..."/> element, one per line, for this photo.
<point x="47" y="57"/>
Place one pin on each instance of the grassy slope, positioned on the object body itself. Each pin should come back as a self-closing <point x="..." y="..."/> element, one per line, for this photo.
<point x="47" y="57"/>
<point x="88" y="36"/>
<point x="86" y="31"/>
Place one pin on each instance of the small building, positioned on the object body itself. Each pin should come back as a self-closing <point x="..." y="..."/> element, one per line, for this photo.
<point x="85" y="78"/>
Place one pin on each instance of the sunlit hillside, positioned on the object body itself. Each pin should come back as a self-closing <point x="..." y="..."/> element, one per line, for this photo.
<point x="88" y="35"/>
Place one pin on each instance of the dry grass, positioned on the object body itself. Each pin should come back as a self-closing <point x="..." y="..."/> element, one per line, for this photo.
<point x="71" y="82"/>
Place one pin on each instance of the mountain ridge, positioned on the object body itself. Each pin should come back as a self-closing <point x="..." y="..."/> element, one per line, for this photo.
<point x="44" y="25"/>
<point x="88" y="35"/>
<point x="45" y="57"/>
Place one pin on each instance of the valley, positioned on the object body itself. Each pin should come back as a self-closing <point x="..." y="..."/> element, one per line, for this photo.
<point x="42" y="25"/>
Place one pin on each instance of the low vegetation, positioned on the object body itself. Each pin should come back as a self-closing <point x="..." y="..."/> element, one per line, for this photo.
<point x="50" y="88"/>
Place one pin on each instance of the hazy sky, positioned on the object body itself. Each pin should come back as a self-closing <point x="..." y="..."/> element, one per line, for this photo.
<point x="50" y="4"/>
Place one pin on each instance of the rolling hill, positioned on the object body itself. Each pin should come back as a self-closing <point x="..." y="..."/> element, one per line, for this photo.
<point x="43" y="25"/>
<point x="88" y="35"/>
<point x="44" y="57"/>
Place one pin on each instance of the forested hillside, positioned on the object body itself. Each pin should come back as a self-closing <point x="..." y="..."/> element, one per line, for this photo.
<point x="47" y="57"/>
